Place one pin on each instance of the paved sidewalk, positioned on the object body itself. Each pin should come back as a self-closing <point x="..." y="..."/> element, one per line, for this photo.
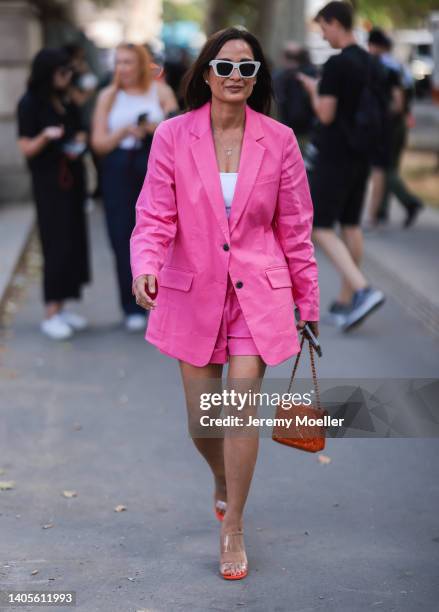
<point x="405" y="262"/>
<point x="104" y="415"/>
<point x="425" y="135"/>
<point x="16" y="222"/>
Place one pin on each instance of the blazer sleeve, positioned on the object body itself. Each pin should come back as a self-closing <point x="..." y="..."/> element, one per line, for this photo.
<point x="156" y="209"/>
<point x="293" y="222"/>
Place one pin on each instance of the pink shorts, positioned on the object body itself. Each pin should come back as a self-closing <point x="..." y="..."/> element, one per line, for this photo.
<point x="234" y="337"/>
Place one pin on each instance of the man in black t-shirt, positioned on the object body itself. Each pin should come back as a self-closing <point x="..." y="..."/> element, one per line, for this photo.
<point x="387" y="172"/>
<point x="343" y="79"/>
<point x="337" y="172"/>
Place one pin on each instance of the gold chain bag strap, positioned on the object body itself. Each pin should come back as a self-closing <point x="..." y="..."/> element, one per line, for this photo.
<point x="303" y="433"/>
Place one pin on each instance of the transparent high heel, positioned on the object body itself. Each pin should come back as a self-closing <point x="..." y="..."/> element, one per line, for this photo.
<point x="233" y="561"/>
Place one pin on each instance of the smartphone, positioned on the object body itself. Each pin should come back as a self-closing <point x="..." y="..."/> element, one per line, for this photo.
<point x="142" y="118"/>
<point x="74" y="147"/>
<point x="311" y="337"/>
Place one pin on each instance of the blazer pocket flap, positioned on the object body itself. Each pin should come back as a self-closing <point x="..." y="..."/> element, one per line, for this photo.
<point x="279" y="277"/>
<point x="268" y="178"/>
<point x="176" y="279"/>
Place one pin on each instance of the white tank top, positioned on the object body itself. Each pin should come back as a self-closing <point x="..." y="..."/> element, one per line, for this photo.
<point x="228" y="184"/>
<point x="126" y="109"/>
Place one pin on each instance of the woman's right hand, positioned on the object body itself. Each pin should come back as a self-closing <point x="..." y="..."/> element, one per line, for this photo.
<point x="142" y="298"/>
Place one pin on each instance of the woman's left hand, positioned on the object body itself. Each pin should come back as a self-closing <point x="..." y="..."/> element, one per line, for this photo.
<point x="314" y="325"/>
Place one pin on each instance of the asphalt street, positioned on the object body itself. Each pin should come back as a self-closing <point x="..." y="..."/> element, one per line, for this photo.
<point x="103" y="415"/>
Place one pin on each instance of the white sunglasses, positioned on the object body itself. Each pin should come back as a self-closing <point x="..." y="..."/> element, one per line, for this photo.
<point x="225" y="68"/>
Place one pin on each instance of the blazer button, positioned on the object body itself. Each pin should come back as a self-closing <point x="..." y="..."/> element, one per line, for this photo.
<point x="239" y="284"/>
<point x="226" y="246"/>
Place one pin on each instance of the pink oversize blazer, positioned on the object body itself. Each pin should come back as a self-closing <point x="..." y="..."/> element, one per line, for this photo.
<point x="183" y="236"/>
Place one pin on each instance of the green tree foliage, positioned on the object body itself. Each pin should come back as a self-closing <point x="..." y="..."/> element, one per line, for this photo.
<point x="385" y="12"/>
<point x="249" y="13"/>
<point x="396" y="12"/>
<point x="190" y="11"/>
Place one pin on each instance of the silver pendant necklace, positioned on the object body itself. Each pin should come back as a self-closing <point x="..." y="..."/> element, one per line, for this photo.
<point x="228" y="150"/>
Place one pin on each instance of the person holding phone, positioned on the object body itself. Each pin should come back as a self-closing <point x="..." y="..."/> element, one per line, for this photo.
<point x="126" y="115"/>
<point x="52" y="139"/>
<point x="223" y="236"/>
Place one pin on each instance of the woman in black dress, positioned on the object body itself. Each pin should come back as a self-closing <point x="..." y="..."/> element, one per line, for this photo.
<point x="52" y="140"/>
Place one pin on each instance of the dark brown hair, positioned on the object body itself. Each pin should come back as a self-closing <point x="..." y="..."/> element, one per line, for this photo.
<point x="196" y="92"/>
<point x="44" y="65"/>
<point x="340" y="11"/>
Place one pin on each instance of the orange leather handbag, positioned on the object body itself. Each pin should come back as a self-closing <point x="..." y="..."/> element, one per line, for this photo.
<point x="307" y="437"/>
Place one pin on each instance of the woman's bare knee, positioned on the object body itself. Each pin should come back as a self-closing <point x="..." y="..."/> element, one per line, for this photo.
<point x="198" y="381"/>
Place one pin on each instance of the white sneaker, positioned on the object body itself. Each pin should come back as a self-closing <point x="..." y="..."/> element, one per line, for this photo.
<point x="56" y="328"/>
<point x="135" y="322"/>
<point x="73" y="320"/>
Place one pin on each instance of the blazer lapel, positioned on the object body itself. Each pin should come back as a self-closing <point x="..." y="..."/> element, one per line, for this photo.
<point x="252" y="153"/>
<point x="203" y="151"/>
<point x="250" y="163"/>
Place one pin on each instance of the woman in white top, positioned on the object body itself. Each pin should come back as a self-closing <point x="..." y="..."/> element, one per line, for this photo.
<point x="126" y="115"/>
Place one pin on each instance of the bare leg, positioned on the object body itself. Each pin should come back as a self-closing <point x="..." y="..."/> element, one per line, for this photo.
<point x="378" y="186"/>
<point x="240" y="454"/>
<point x="53" y="308"/>
<point x="352" y="236"/>
<point x="232" y="459"/>
<point x="337" y="252"/>
<point x="206" y="379"/>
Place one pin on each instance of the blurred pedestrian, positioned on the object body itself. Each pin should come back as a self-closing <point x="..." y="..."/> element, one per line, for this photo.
<point x="401" y="85"/>
<point x="293" y="101"/>
<point x="52" y="139"/>
<point x="338" y="158"/>
<point x="223" y="232"/>
<point x="83" y="91"/>
<point x="380" y="162"/>
<point x="84" y="82"/>
<point x="177" y="63"/>
<point x="126" y="116"/>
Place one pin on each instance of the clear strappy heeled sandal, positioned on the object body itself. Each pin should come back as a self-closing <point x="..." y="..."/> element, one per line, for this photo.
<point x="233" y="562"/>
